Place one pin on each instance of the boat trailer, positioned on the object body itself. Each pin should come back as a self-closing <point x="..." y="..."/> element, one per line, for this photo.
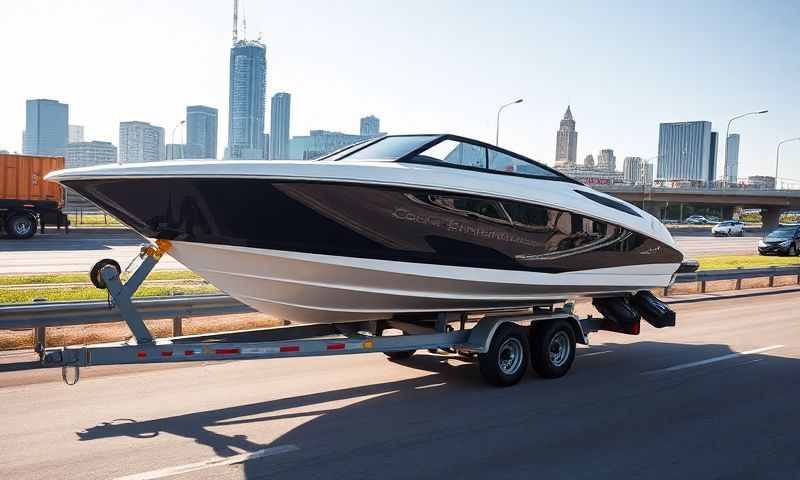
<point x="503" y="341"/>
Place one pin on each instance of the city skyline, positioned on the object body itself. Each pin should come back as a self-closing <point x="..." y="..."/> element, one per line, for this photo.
<point x="620" y="104"/>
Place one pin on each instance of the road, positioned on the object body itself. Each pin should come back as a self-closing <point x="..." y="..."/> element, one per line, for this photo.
<point x="715" y="397"/>
<point x="78" y="251"/>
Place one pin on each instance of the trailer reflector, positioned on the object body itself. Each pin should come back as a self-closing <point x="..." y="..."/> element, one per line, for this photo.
<point x="336" y="346"/>
<point x="226" y="351"/>
<point x="188" y="353"/>
<point x="166" y="353"/>
<point x="290" y="348"/>
<point x="368" y="344"/>
<point x="141" y="354"/>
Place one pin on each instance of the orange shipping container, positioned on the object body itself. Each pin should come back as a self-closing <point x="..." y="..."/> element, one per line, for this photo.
<point x="22" y="178"/>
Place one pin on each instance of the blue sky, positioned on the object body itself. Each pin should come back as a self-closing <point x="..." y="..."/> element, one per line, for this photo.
<point x="424" y="66"/>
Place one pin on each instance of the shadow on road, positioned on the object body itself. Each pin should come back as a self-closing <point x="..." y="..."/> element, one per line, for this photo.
<point x="606" y="416"/>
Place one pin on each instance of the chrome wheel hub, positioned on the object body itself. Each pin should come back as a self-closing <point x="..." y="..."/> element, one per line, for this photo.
<point x="510" y="356"/>
<point x="559" y="349"/>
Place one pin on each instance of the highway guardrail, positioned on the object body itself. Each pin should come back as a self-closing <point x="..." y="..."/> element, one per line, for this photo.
<point x="38" y="316"/>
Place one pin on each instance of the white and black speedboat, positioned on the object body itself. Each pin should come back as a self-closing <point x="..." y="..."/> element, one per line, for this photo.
<point x="399" y="224"/>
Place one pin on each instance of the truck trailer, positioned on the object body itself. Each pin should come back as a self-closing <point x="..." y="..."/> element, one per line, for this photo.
<point x="27" y="200"/>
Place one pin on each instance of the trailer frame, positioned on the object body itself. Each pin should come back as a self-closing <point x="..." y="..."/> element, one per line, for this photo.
<point x="470" y="334"/>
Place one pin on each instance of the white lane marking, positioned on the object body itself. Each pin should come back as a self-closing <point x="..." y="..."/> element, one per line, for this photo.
<point x="601" y="352"/>
<point x="712" y="360"/>
<point x="210" y="463"/>
<point x="432" y="385"/>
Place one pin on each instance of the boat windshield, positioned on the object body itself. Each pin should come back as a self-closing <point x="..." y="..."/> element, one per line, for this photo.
<point x="388" y="149"/>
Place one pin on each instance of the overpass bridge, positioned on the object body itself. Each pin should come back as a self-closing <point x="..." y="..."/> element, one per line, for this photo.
<point x="679" y="203"/>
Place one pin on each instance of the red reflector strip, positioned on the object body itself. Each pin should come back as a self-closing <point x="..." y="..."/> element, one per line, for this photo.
<point x="290" y="348"/>
<point x="226" y="351"/>
<point x="188" y="352"/>
<point x="166" y="354"/>
<point x="141" y="354"/>
<point x="336" y="346"/>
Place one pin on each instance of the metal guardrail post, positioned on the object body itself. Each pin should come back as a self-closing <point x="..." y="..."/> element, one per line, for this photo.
<point x="702" y="286"/>
<point x="39" y="339"/>
<point x="738" y="281"/>
<point x="177" y="327"/>
<point x="771" y="278"/>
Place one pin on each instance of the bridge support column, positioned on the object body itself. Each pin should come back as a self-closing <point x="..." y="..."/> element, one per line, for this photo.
<point x="770" y="217"/>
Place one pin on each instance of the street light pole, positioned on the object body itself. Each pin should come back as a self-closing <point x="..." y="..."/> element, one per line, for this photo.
<point x="172" y="138"/>
<point x="643" y="176"/>
<point x="497" y="134"/>
<point x="778" y="156"/>
<point x="727" y="133"/>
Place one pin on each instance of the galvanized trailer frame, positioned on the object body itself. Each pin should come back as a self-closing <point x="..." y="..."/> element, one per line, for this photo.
<point x="468" y="333"/>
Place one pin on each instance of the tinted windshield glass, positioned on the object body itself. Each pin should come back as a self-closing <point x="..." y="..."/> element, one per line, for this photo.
<point x="506" y="163"/>
<point x="337" y="154"/>
<point x="390" y="148"/>
<point x="782" y="233"/>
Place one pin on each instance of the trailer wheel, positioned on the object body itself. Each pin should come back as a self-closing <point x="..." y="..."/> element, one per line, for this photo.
<point x="507" y="359"/>
<point x="94" y="275"/>
<point x="21" y="226"/>
<point x="400" y="354"/>
<point x="552" y="348"/>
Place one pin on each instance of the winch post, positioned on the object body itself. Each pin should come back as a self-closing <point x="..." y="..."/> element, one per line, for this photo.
<point x="123" y="293"/>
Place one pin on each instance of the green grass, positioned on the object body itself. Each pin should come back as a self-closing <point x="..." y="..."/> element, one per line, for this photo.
<point x="56" y="294"/>
<point x="723" y="262"/>
<point x="43" y="279"/>
<point x="92" y="219"/>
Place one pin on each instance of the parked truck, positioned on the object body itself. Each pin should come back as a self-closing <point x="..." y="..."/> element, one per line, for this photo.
<point x="27" y="201"/>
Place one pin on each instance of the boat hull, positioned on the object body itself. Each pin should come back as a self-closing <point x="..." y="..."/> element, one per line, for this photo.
<point x="311" y="288"/>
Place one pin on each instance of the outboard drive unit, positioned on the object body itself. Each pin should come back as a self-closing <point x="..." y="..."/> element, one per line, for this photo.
<point x="618" y="310"/>
<point x="656" y="312"/>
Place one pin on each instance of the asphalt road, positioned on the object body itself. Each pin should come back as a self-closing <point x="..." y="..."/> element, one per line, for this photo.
<point x="78" y="251"/>
<point x="685" y="402"/>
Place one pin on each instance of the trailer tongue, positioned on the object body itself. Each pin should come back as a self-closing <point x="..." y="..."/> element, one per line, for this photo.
<point x="504" y="341"/>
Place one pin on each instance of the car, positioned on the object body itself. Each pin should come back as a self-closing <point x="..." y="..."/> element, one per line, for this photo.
<point x="781" y="241"/>
<point x="729" y="228"/>
<point x="696" y="220"/>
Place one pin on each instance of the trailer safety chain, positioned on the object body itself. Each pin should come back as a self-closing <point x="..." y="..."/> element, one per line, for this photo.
<point x="65" y="377"/>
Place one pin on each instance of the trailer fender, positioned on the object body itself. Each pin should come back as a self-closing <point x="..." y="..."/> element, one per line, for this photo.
<point x="481" y="335"/>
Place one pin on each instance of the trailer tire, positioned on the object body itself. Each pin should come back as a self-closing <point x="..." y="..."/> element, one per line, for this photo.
<point x="552" y="348"/>
<point x="400" y="355"/>
<point x="506" y="361"/>
<point x="20" y="226"/>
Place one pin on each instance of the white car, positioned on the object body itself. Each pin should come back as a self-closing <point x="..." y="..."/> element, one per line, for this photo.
<point x="729" y="228"/>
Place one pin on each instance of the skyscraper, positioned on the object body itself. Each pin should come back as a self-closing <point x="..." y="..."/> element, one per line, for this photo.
<point x="87" y="154"/>
<point x="247" y="94"/>
<point x="140" y="142"/>
<point x="566" y="141"/>
<point x="370" y="126"/>
<point x="201" y="132"/>
<point x="632" y="169"/>
<point x="684" y="151"/>
<point x="732" y="158"/>
<point x="176" y="151"/>
<point x="606" y="160"/>
<point x="75" y="133"/>
<point x="712" y="159"/>
<point x="46" y="131"/>
<point x="588" y="161"/>
<point x="279" y="126"/>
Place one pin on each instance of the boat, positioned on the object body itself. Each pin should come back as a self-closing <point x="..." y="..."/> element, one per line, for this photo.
<point x="396" y="225"/>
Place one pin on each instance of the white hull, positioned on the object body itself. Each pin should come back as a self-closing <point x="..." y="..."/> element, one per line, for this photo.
<point x="311" y="288"/>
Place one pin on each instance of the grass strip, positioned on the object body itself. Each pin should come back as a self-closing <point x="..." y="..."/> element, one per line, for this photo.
<point x="46" y="278"/>
<point x="724" y="262"/>
<point x="57" y="294"/>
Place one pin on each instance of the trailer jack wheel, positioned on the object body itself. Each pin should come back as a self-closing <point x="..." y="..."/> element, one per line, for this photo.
<point x="552" y="348"/>
<point x="94" y="274"/>
<point x="507" y="359"/>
